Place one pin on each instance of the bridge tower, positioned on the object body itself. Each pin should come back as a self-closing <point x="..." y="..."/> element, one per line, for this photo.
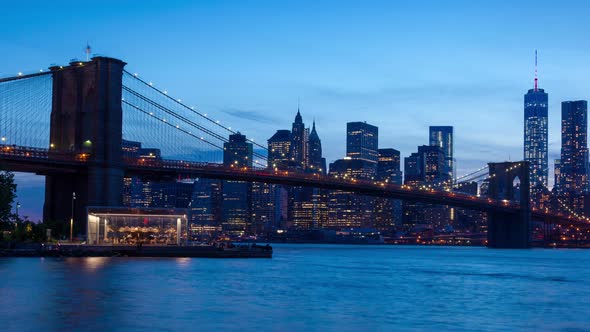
<point x="86" y="119"/>
<point x="509" y="229"/>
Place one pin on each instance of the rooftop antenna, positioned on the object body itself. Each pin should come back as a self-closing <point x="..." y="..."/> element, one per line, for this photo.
<point x="536" y="77"/>
<point x="87" y="50"/>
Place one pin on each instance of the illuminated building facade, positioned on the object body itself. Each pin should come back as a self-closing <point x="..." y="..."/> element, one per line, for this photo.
<point x="347" y="209"/>
<point x="236" y="213"/>
<point x="298" y="142"/>
<point x="536" y="141"/>
<point x="388" y="212"/>
<point x="362" y="141"/>
<point x="574" y="147"/>
<point x="205" y="207"/>
<point x="425" y="168"/>
<point x="316" y="163"/>
<point x="279" y="150"/>
<point x="536" y="138"/>
<point x="442" y="137"/>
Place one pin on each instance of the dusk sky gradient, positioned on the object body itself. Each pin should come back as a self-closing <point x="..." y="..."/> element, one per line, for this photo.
<point x="399" y="65"/>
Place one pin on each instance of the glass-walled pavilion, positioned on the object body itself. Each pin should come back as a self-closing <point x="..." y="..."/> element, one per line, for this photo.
<point x="133" y="226"/>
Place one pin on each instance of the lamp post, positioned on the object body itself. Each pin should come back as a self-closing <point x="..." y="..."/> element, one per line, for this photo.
<point x="72" y="218"/>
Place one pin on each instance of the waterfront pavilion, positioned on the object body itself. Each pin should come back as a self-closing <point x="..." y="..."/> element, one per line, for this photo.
<point x="132" y="226"/>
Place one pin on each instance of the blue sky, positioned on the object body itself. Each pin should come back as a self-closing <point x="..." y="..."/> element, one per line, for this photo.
<point x="400" y="65"/>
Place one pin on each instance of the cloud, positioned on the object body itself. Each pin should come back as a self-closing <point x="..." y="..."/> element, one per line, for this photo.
<point x="252" y="115"/>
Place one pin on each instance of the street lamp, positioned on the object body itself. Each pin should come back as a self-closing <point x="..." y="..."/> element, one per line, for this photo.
<point x="72" y="217"/>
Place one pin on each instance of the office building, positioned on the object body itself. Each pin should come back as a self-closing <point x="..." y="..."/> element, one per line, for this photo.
<point x="536" y="137"/>
<point x="236" y="213"/>
<point x="388" y="212"/>
<point x="362" y="141"/>
<point x="574" y="147"/>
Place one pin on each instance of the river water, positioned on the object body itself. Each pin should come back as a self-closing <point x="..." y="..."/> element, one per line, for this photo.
<point x="304" y="288"/>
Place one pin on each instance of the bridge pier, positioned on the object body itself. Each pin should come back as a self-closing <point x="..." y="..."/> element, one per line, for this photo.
<point x="86" y="119"/>
<point x="509" y="229"/>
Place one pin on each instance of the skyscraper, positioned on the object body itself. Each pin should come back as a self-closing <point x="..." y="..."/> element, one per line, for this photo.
<point x="348" y="209"/>
<point x="236" y="214"/>
<point x="279" y="158"/>
<point x="557" y="176"/>
<point x="388" y="211"/>
<point x="317" y="163"/>
<point x="307" y="206"/>
<point x="536" y="136"/>
<point x="362" y="141"/>
<point x="205" y="208"/>
<point x="433" y="164"/>
<point x="388" y="166"/>
<point x="574" y="146"/>
<point x="442" y="136"/>
<point x="279" y="149"/>
<point x="425" y="167"/>
<point x="298" y="140"/>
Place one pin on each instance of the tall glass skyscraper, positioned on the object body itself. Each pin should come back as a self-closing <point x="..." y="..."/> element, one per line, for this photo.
<point x="442" y="136"/>
<point x="362" y="141"/>
<point x="536" y="135"/>
<point x="574" y="146"/>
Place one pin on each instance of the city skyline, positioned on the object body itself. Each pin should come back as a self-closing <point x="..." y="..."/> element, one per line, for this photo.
<point x="419" y="87"/>
<point x="326" y="165"/>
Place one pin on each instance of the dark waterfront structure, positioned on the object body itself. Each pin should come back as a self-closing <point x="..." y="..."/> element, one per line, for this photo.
<point x="574" y="147"/>
<point x="362" y="141"/>
<point x="536" y="137"/>
<point x="442" y="137"/>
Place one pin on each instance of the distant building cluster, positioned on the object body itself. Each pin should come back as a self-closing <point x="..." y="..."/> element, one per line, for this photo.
<point x="243" y="208"/>
<point x="570" y="192"/>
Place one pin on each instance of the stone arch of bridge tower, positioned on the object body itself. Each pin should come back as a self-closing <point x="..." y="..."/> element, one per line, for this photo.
<point x="509" y="229"/>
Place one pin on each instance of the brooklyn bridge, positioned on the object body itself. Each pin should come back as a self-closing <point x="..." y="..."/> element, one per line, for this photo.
<point x="69" y="123"/>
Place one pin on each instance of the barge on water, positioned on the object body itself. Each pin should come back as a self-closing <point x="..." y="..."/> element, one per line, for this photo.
<point x="204" y="251"/>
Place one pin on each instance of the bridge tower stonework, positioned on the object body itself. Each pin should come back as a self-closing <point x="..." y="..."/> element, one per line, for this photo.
<point x="86" y="119"/>
<point x="509" y="229"/>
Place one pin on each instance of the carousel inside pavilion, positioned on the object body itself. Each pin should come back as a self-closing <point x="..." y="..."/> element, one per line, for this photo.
<point x="133" y="226"/>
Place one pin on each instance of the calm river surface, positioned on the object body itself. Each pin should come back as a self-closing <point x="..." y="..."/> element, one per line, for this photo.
<point x="304" y="288"/>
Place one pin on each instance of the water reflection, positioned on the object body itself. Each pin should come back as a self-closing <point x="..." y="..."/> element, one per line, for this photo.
<point x="183" y="261"/>
<point x="303" y="288"/>
<point x="93" y="263"/>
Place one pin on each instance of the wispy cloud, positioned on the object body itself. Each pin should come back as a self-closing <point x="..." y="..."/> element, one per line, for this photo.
<point x="252" y="115"/>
